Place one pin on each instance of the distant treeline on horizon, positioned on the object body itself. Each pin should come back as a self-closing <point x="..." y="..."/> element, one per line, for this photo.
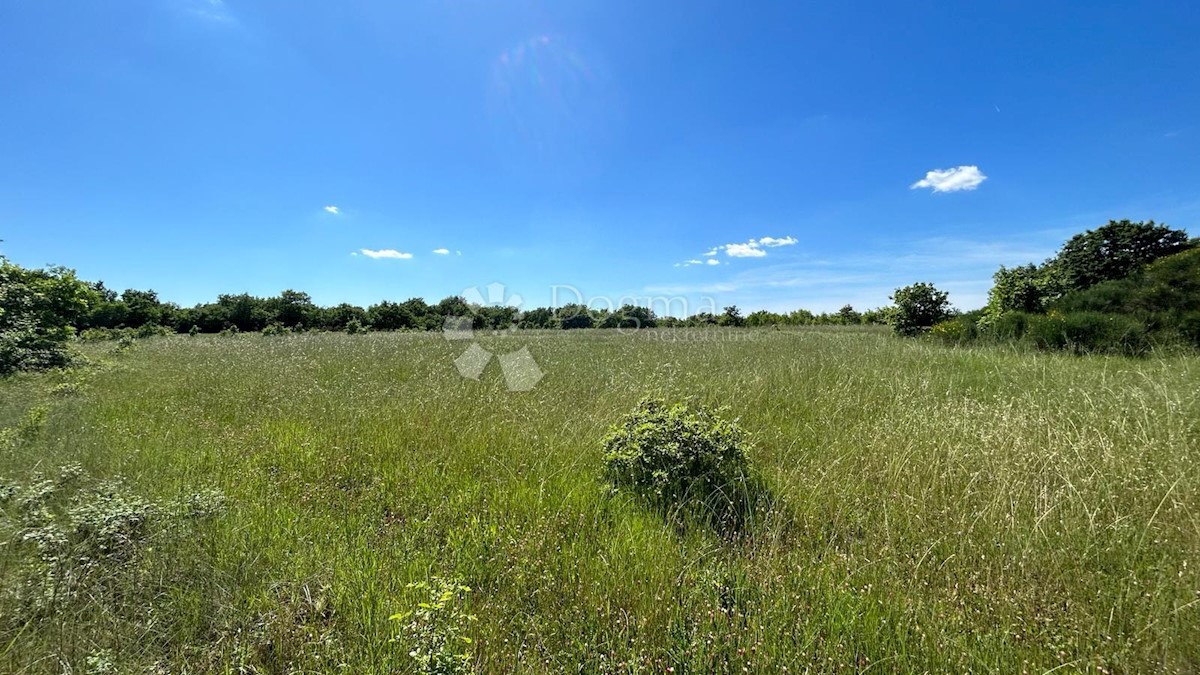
<point x="295" y="310"/>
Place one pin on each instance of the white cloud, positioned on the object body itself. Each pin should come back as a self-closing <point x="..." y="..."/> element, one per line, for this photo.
<point x="755" y="248"/>
<point x="773" y="242"/>
<point x="951" y="180"/>
<point x="332" y="209"/>
<point x="442" y="251"/>
<point x="748" y="250"/>
<point x="385" y="253"/>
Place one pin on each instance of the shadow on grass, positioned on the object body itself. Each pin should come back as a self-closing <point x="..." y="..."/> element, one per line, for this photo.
<point x="730" y="509"/>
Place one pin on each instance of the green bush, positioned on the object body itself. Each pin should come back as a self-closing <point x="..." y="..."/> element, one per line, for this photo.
<point x="37" y="311"/>
<point x="354" y="327"/>
<point x="959" y="330"/>
<point x="1045" y="331"/>
<point x="1089" y="333"/>
<point x="1107" y="333"/>
<point x="686" y="461"/>
<point x="152" y="330"/>
<point x="918" y="308"/>
<point x="1189" y="328"/>
<point x="1007" y="327"/>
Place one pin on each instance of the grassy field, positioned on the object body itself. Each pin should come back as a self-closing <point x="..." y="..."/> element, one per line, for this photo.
<point x="935" y="509"/>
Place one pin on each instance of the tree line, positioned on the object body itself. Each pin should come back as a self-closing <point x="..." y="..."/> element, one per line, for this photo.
<point x="1122" y="287"/>
<point x="295" y="310"/>
<point x="41" y="310"/>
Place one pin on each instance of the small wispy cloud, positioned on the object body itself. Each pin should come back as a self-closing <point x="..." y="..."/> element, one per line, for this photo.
<point x="706" y="261"/>
<point x="442" y="251"/>
<point x="774" y="242"/>
<point x="754" y="248"/>
<point x="967" y="177"/>
<point x="385" y="253"/>
<point x="332" y="209"/>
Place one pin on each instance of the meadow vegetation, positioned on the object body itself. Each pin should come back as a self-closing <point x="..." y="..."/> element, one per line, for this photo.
<point x="329" y="502"/>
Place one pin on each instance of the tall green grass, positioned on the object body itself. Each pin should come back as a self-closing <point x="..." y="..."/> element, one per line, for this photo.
<point x="934" y="509"/>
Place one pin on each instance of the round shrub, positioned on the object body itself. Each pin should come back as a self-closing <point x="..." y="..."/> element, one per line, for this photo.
<point x="685" y="460"/>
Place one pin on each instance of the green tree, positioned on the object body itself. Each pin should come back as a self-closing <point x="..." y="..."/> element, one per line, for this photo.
<point x="292" y="308"/>
<point x="389" y="316"/>
<point x="38" y="312"/>
<point x="1114" y="251"/>
<point x="540" y="317"/>
<point x="494" y="317"/>
<point x="731" y="316"/>
<point x="764" y="318"/>
<point x="246" y="312"/>
<point x="339" y="317"/>
<point x="574" y="316"/>
<point x="1025" y="288"/>
<point x="630" y="316"/>
<point x="452" y="306"/>
<point x="918" y="307"/>
<point x="849" y="316"/>
<point x="801" y="317"/>
<point x="141" y="308"/>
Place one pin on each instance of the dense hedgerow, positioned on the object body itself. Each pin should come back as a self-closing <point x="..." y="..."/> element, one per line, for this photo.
<point x="685" y="460"/>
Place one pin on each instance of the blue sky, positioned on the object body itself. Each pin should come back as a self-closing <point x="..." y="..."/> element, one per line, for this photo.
<point x="192" y="146"/>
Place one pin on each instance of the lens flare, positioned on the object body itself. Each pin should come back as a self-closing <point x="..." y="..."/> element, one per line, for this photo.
<point x="550" y="103"/>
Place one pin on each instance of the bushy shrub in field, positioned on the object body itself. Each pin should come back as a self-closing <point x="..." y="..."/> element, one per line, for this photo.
<point x="152" y="330"/>
<point x="686" y="460"/>
<point x="354" y="327"/>
<point x="918" y="307"/>
<point x="37" y="311"/>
